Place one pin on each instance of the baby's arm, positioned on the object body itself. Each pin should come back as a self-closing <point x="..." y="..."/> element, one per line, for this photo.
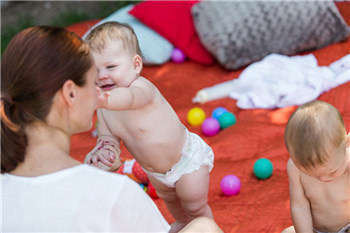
<point x="299" y="204"/>
<point x="138" y="95"/>
<point x="106" y="153"/>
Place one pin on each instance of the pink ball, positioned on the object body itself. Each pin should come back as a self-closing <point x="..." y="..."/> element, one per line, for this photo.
<point x="178" y="56"/>
<point x="210" y="126"/>
<point x="230" y="185"/>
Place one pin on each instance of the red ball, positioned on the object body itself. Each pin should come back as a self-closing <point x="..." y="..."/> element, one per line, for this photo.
<point x="152" y="191"/>
<point x="120" y="169"/>
<point x="139" y="173"/>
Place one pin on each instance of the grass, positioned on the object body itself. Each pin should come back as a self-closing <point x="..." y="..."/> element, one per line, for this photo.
<point x="64" y="19"/>
<point x="7" y="33"/>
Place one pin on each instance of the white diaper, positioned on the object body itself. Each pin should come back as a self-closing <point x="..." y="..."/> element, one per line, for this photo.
<point x="343" y="230"/>
<point x="195" y="154"/>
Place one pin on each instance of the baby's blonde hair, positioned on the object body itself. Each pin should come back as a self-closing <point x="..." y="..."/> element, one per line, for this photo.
<point x="105" y="33"/>
<point x="312" y="131"/>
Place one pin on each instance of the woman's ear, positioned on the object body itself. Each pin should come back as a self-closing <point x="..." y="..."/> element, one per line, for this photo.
<point x="138" y="63"/>
<point x="69" y="92"/>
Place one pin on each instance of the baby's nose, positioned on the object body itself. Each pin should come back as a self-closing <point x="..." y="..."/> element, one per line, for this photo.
<point x="102" y="77"/>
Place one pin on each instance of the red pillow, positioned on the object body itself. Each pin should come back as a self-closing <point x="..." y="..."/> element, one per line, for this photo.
<point x="173" y="20"/>
<point x="82" y="27"/>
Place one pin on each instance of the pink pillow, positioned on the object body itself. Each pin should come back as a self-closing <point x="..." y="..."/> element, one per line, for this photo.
<point x="173" y="20"/>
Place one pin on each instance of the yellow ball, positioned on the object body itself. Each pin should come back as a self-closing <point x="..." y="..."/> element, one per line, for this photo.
<point x="196" y="116"/>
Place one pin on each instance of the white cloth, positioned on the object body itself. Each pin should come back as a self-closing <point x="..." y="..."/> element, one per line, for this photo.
<point x="279" y="81"/>
<point x="78" y="199"/>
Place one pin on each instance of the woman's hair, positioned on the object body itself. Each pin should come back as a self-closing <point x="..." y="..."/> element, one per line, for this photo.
<point x="312" y="132"/>
<point x="109" y="31"/>
<point x="35" y="65"/>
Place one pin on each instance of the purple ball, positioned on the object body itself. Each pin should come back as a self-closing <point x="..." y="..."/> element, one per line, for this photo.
<point x="230" y="185"/>
<point x="210" y="126"/>
<point x="178" y="56"/>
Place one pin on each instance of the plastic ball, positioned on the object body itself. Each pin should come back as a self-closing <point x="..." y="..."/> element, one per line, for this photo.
<point x="196" y="116"/>
<point x="94" y="133"/>
<point x="263" y="168"/>
<point x="230" y="185"/>
<point x="139" y="173"/>
<point x="178" y="56"/>
<point x="152" y="191"/>
<point x="227" y="119"/>
<point x="218" y="112"/>
<point x="210" y="127"/>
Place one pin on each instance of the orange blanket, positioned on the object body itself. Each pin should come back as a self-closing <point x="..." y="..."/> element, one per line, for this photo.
<point x="261" y="205"/>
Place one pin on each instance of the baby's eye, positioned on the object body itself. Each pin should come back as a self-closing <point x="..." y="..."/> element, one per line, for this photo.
<point x="110" y="66"/>
<point x="332" y="173"/>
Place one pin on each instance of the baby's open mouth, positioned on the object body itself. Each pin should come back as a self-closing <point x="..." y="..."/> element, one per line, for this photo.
<point x="107" y="87"/>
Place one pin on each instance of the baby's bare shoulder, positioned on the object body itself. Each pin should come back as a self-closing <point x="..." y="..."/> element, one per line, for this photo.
<point x="292" y="170"/>
<point x="144" y="84"/>
<point x="142" y="81"/>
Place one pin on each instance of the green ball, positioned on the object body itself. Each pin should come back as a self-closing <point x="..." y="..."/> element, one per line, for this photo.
<point x="263" y="168"/>
<point x="227" y="119"/>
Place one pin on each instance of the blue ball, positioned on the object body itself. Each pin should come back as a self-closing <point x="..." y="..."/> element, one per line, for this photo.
<point x="218" y="112"/>
<point x="263" y="168"/>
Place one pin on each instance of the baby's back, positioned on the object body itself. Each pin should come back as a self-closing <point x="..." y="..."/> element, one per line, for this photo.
<point x="329" y="201"/>
<point x="153" y="134"/>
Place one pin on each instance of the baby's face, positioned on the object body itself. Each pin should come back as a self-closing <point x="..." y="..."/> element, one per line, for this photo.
<point x="336" y="166"/>
<point x="115" y="66"/>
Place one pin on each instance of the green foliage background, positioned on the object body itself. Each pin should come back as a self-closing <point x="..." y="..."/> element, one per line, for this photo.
<point x="63" y="19"/>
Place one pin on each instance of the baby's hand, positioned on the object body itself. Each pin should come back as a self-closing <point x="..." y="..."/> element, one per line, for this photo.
<point x="91" y="154"/>
<point x="102" y="98"/>
<point x="105" y="155"/>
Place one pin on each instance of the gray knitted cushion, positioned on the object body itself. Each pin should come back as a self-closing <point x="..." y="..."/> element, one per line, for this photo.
<point x="239" y="33"/>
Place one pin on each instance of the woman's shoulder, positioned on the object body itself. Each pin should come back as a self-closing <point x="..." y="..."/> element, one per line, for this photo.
<point x="98" y="177"/>
<point x="108" y="184"/>
<point x="87" y="172"/>
<point x="78" y="176"/>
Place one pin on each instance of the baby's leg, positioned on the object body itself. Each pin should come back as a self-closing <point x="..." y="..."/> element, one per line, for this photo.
<point x="192" y="189"/>
<point x="173" y="203"/>
<point x="289" y="230"/>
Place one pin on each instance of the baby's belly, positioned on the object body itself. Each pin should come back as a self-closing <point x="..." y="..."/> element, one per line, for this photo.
<point x="157" y="154"/>
<point x="330" y="218"/>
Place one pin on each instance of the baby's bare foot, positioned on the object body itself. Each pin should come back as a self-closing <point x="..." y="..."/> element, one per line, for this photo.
<point x="176" y="227"/>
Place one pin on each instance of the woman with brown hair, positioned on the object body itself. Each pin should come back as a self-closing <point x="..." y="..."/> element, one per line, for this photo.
<point x="48" y="93"/>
